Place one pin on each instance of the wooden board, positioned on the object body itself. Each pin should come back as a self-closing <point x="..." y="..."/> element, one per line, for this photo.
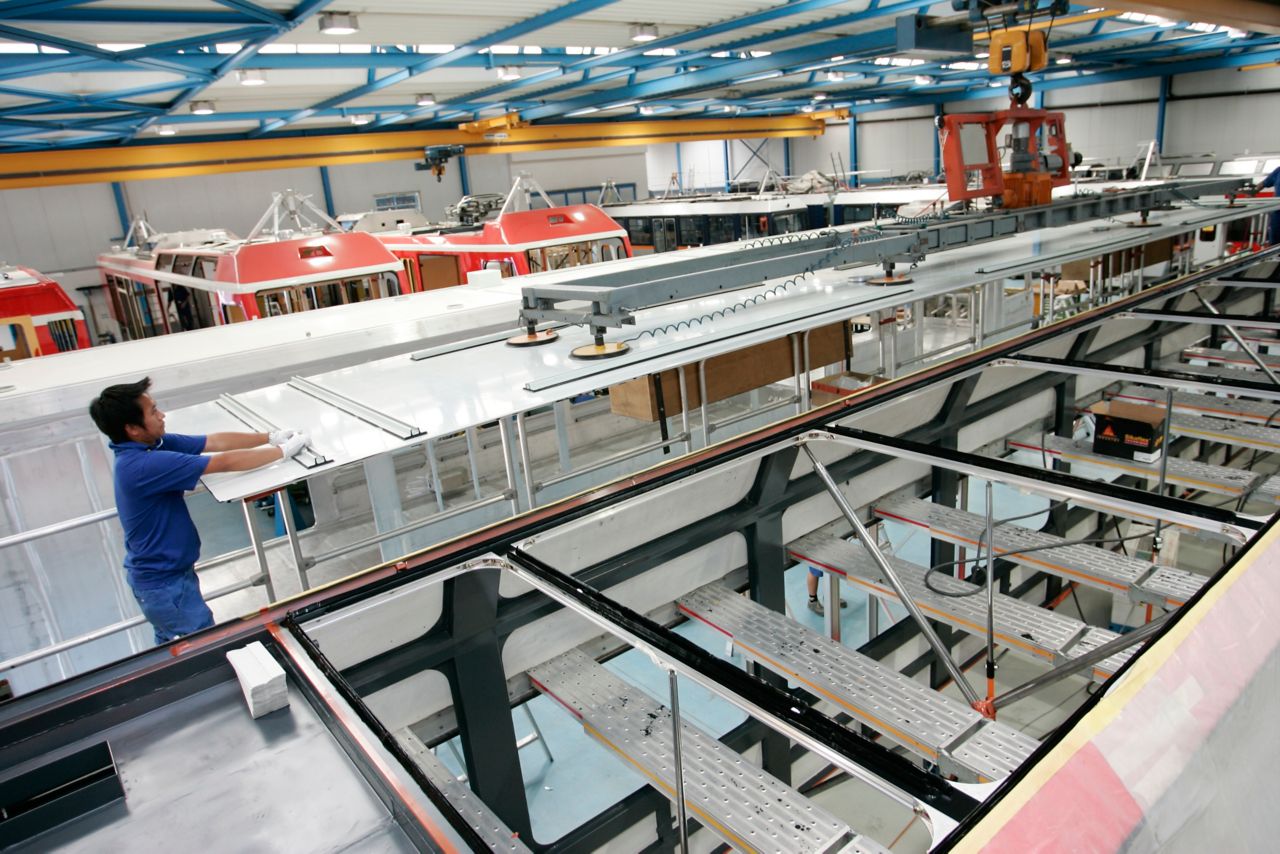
<point x="728" y="375"/>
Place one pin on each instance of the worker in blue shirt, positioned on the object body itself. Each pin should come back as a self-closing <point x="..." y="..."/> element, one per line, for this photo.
<point x="152" y="471"/>
<point x="1273" y="221"/>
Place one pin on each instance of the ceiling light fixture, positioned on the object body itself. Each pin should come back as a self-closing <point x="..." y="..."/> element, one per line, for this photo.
<point x="251" y="77"/>
<point x="643" y="32"/>
<point x="202" y="108"/>
<point x="338" y="23"/>
<point x="507" y="72"/>
<point x="1062" y="60"/>
<point x="923" y="80"/>
<point x="646" y="110"/>
<point x="807" y="108"/>
<point x="166" y="130"/>
<point x="426" y="99"/>
<point x="361" y="119"/>
<point x="835" y="76"/>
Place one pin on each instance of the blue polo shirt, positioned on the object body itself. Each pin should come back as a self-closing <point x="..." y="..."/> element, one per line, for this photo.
<point x="159" y="537"/>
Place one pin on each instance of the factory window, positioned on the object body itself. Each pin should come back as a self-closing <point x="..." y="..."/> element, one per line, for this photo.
<point x="789" y="221"/>
<point x="721" y="229"/>
<point x="693" y="230"/>
<point x="407" y="200"/>
<point x="640" y="231"/>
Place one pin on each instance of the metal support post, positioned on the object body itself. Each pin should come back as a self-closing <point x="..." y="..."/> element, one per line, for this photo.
<point x="832" y="614"/>
<point x="939" y="649"/>
<point x="702" y="403"/>
<point x="1235" y="336"/>
<point x="526" y="462"/>
<point x="259" y="552"/>
<point x="991" y="597"/>
<point x="681" y="817"/>
<point x="284" y="506"/>
<point x="561" y="409"/>
<point x="684" y="410"/>
<point x="433" y="466"/>
<point x="1164" y="470"/>
<point x="473" y="459"/>
<point x="508" y="465"/>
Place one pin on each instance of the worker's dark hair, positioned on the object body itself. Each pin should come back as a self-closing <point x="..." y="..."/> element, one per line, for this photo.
<point x="117" y="407"/>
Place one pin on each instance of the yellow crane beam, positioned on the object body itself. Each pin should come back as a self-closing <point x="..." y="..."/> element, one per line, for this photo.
<point x="175" y="160"/>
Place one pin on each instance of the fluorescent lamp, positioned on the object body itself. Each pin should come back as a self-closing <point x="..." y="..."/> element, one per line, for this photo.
<point x="202" y="108"/>
<point x="1062" y="60"/>
<point x="835" y="76"/>
<point x="507" y="72"/>
<point x="923" y="80"/>
<point x="251" y="77"/>
<point x="361" y="118"/>
<point x="338" y="23"/>
<point x="426" y="99"/>
<point x="643" y="32"/>
<point x="821" y="96"/>
<point x="166" y="130"/>
<point x="807" y="108"/>
<point x="646" y="110"/>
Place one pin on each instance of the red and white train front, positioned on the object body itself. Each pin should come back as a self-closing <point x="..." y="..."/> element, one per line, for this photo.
<point x="37" y="317"/>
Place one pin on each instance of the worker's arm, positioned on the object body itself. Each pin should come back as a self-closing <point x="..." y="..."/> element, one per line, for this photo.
<point x="216" y="442"/>
<point x="243" y="459"/>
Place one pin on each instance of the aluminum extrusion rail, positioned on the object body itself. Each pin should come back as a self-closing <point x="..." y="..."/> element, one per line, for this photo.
<point x="1142" y="581"/>
<point x="1185" y="377"/>
<point x="1189" y="403"/>
<point x="496" y="835"/>
<point x="1220" y="480"/>
<point x="741" y="804"/>
<point x="1023" y="628"/>
<point x="926" y="722"/>
<point x="615" y="295"/>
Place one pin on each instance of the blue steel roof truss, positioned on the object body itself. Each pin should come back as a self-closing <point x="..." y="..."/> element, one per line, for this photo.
<point x="663" y="76"/>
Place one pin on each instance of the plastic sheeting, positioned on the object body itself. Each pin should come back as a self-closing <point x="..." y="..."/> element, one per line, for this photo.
<point x="1181" y="753"/>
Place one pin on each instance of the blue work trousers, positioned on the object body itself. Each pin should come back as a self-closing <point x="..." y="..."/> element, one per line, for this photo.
<point x="174" y="607"/>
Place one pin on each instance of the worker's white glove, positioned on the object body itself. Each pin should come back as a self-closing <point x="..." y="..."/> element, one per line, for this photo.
<point x="294" y="444"/>
<point x="279" y="437"/>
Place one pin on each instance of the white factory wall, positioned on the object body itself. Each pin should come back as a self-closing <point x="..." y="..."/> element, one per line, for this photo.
<point x="354" y="186"/>
<point x="561" y="170"/>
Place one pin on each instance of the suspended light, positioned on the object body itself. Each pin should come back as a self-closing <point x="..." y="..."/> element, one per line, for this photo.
<point x="361" y="119"/>
<point x="338" y="23"/>
<point x="646" y="110"/>
<point x="202" y="108"/>
<point x="821" y="96"/>
<point x="426" y="99"/>
<point x="807" y="108"/>
<point x="251" y="77"/>
<point x="166" y="130"/>
<point x="1063" y="60"/>
<point x="643" y="32"/>
<point x="507" y="72"/>
<point x="835" y="76"/>
<point x="923" y="80"/>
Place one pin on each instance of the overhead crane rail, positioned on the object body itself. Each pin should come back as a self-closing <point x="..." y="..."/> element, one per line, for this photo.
<point x="1021" y="627"/>
<point x="615" y="294"/>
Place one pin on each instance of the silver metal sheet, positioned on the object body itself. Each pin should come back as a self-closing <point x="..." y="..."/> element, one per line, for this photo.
<point x="730" y="797"/>
<point x="201" y="775"/>
<point x="1221" y="480"/>
<point x="1234" y="408"/>
<point x="906" y="712"/>
<point x="1091" y="566"/>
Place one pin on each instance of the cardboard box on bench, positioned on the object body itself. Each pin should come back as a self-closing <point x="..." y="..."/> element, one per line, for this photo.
<point x="1129" y="431"/>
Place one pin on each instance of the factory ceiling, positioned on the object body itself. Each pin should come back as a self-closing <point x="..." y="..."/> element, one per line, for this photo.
<point x="105" y="73"/>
